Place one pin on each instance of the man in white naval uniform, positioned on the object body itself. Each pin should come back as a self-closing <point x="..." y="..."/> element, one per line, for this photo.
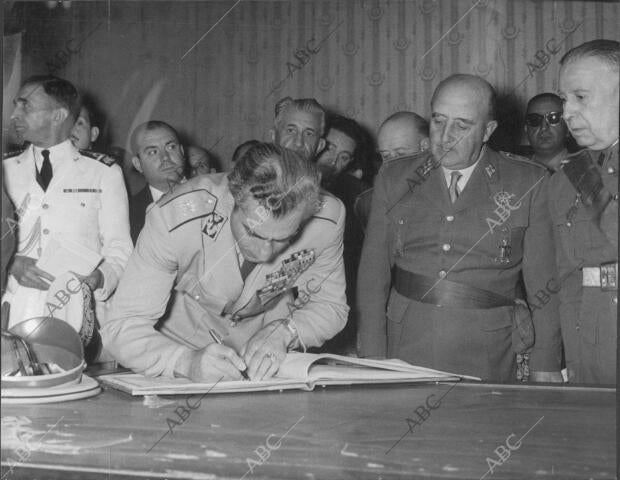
<point x="60" y="192"/>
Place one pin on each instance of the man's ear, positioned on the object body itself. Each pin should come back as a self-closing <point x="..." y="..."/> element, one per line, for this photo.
<point x="135" y="161"/>
<point x="425" y="144"/>
<point x="182" y="150"/>
<point x="60" y="115"/>
<point x="320" y="147"/>
<point x="94" y="134"/>
<point x="272" y="133"/>
<point x="489" y="129"/>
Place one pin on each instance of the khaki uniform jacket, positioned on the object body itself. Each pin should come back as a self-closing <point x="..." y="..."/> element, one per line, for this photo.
<point x="589" y="314"/>
<point x="187" y="250"/>
<point x="85" y="202"/>
<point x="413" y="225"/>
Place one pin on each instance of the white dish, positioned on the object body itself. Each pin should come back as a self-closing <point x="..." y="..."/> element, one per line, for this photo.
<point x="85" y="388"/>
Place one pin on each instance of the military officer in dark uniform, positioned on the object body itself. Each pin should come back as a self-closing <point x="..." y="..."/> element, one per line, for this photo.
<point x="253" y="258"/>
<point x="584" y="209"/>
<point x="450" y="233"/>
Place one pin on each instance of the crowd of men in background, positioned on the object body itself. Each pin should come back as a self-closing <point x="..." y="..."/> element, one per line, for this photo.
<point x="453" y="256"/>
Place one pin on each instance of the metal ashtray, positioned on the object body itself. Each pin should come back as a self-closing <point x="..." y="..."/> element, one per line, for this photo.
<point x="55" y="343"/>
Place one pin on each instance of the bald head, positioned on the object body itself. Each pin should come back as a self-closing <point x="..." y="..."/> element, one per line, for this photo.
<point x="462" y="112"/>
<point x="200" y="161"/>
<point x="478" y="87"/>
<point x="401" y="134"/>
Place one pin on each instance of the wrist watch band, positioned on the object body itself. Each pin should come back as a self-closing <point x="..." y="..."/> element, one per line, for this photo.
<point x="290" y="326"/>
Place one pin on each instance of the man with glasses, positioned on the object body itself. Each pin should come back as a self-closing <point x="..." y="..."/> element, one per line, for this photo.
<point x="546" y="130"/>
<point x="235" y="271"/>
<point x="584" y="208"/>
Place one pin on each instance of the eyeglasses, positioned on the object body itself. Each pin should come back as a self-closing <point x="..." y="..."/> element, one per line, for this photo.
<point x="535" y="119"/>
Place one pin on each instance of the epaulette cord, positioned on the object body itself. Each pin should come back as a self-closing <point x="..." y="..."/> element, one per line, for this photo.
<point x="519" y="158"/>
<point x="101" y="157"/>
<point x="13" y="153"/>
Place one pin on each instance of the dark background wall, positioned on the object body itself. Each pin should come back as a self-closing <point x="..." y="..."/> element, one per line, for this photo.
<point x="367" y="59"/>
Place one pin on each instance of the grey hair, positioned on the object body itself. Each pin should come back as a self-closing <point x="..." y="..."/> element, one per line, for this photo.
<point x="303" y="104"/>
<point x="279" y="179"/>
<point x="607" y="51"/>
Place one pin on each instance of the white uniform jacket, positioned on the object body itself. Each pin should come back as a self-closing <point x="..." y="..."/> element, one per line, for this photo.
<point x="85" y="202"/>
<point x="187" y="251"/>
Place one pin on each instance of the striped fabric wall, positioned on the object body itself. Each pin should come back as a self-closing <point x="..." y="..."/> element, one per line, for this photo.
<point x="214" y="69"/>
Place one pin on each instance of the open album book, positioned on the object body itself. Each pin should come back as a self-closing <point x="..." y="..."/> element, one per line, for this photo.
<point x="298" y="371"/>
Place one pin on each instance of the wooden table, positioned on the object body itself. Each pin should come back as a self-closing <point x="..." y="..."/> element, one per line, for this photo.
<point x="334" y="433"/>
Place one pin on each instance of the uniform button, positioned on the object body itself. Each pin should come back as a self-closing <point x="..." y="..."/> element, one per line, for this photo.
<point x="197" y="297"/>
<point x="45" y="231"/>
<point x="577" y="328"/>
<point x="400" y="221"/>
<point x="615" y="300"/>
<point x="446" y="247"/>
<point x="611" y="170"/>
<point x="45" y="206"/>
<point x="450" y="218"/>
<point x="442" y="273"/>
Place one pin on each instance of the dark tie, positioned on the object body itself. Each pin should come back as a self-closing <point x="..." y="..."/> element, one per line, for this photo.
<point x="453" y="188"/>
<point x="44" y="177"/>
<point x="601" y="159"/>
<point x="246" y="269"/>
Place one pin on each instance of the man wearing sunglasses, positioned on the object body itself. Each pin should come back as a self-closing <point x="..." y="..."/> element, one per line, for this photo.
<point x="235" y="270"/>
<point x="584" y="209"/>
<point x="546" y="130"/>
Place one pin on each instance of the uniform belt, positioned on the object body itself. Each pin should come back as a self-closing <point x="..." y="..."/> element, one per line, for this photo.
<point x="446" y="293"/>
<point x="604" y="276"/>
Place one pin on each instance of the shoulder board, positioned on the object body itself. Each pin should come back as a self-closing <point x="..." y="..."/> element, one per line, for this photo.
<point x="101" y="157"/>
<point x="14" y="153"/>
<point x="583" y="153"/>
<point x="181" y="206"/>
<point x="330" y="208"/>
<point x="519" y="158"/>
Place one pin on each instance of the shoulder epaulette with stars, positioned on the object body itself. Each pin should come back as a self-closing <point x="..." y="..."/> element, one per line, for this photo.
<point x="184" y="205"/>
<point x="519" y="158"/>
<point x="13" y="153"/>
<point x="100" y="157"/>
<point x="329" y="209"/>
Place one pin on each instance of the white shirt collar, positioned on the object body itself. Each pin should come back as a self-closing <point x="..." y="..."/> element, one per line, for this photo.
<point x="156" y="194"/>
<point x="58" y="153"/>
<point x="465" y="173"/>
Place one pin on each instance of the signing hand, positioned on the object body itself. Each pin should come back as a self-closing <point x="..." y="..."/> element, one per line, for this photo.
<point x="211" y="364"/>
<point x="28" y="274"/>
<point x="266" y="350"/>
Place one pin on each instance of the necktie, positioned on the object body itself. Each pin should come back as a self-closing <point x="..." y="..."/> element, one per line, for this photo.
<point x="601" y="159"/>
<point x="44" y="177"/>
<point x="246" y="269"/>
<point x="454" y="189"/>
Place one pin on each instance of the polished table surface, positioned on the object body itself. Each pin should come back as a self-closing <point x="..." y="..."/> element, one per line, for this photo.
<point x="473" y="431"/>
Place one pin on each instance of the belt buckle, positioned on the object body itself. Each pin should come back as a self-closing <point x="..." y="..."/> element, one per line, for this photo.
<point x="609" y="276"/>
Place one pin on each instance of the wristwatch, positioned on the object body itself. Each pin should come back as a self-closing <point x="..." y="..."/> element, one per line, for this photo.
<point x="290" y="326"/>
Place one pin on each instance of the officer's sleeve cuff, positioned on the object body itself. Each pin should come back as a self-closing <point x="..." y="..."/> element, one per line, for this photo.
<point x="103" y="293"/>
<point x="176" y="354"/>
